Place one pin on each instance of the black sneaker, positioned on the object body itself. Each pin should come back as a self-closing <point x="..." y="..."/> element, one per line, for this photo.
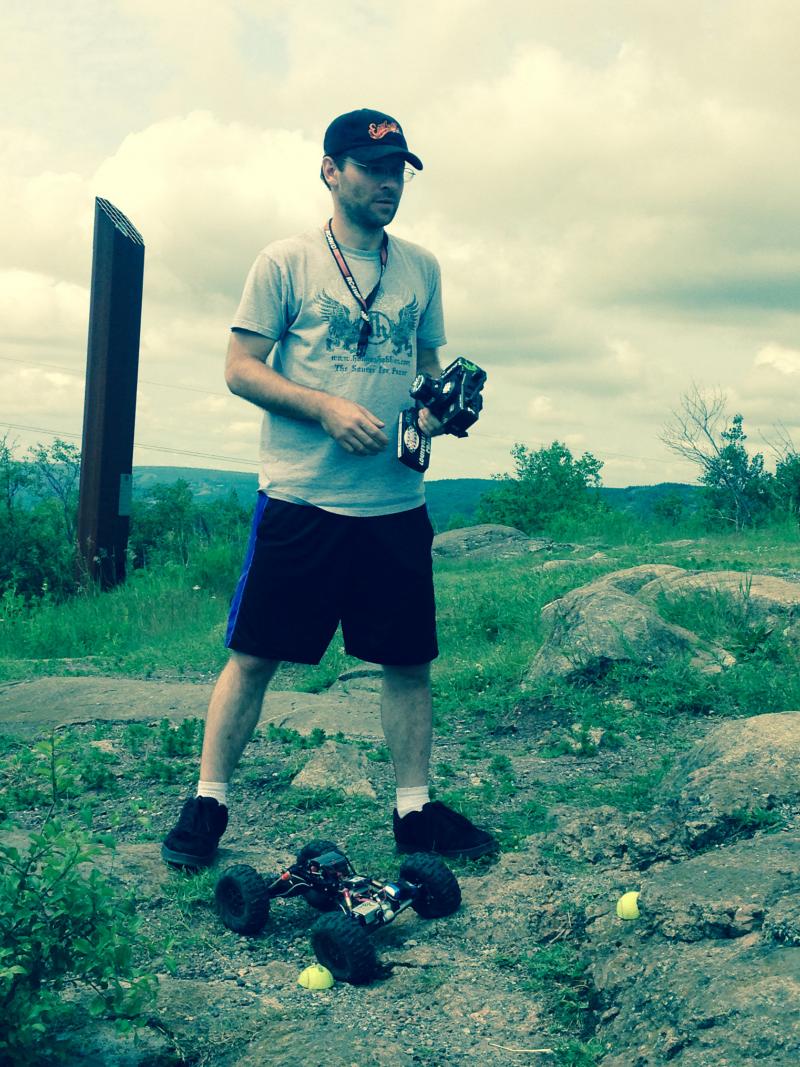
<point x="439" y="829"/>
<point x="193" y="840"/>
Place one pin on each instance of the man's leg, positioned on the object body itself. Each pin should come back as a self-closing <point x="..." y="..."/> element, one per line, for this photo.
<point x="407" y="719"/>
<point x="419" y="825"/>
<point x="232" y="717"/>
<point x="233" y="714"/>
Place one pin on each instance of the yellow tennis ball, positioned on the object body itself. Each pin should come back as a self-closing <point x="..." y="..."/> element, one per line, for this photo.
<point x="628" y="906"/>
<point x="316" y="977"/>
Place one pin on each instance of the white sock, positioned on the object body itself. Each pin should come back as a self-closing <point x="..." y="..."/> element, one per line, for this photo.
<point x="411" y="799"/>
<point x="217" y="790"/>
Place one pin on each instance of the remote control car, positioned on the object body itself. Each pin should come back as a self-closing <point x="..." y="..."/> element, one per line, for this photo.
<point x="454" y="398"/>
<point x="355" y="905"/>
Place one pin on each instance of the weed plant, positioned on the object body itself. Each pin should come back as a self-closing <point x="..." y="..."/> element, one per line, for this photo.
<point x="62" y="923"/>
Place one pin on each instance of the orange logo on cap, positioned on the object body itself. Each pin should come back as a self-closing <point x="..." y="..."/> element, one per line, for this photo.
<point x="380" y="129"/>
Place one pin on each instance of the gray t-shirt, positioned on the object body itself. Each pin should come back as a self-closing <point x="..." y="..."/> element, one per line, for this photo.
<point x="296" y="296"/>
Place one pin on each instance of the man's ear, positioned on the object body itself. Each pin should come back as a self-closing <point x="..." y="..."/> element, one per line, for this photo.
<point x="329" y="171"/>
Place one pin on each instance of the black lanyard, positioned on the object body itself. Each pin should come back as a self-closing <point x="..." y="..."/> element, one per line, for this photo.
<point x="352" y="285"/>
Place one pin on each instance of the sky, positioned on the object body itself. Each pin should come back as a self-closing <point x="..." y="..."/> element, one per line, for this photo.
<point x="610" y="187"/>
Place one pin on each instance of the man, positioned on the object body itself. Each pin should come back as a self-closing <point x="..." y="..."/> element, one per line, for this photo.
<point x="341" y="532"/>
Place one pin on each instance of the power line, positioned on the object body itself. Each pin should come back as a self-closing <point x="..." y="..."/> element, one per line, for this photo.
<point x="138" y="444"/>
<point x="515" y="440"/>
<point x="227" y="396"/>
<point x="142" y="381"/>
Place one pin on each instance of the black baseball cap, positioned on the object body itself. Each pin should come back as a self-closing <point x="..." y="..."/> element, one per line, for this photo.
<point x="366" y="135"/>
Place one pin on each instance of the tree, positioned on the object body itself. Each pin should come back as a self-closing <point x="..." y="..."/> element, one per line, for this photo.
<point x="548" y="484"/>
<point x="15" y="477"/>
<point x="787" y="485"/>
<point x="738" y="489"/>
<point x="669" y="508"/>
<point x="57" y="470"/>
<point x="36" y="558"/>
<point x="163" y="525"/>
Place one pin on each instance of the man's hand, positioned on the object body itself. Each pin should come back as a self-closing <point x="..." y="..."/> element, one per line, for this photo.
<point x="352" y="426"/>
<point x="428" y="423"/>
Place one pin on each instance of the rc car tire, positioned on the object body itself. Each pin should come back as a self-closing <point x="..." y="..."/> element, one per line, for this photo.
<point x="440" y="892"/>
<point x="242" y="899"/>
<point x="344" y="947"/>
<point x="315" y="848"/>
<point x="313" y="897"/>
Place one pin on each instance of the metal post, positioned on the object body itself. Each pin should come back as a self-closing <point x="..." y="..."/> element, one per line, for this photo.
<point x="109" y="411"/>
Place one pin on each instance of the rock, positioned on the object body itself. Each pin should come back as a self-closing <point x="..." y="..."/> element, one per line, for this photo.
<point x="724" y="893"/>
<point x="740" y="766"/>
<point x="766" y="600"/>
<point x="695" y="977"/>
<point x="631" y="579"/>
<point x="611" y="838"/>
<point x="488" y="541"/>
<point x="710" y="1004"/>
<point x="335" y="766"/>
<point x="594" y="627"/>
<point x="543" y="544"/>
<point x="569" y="564"/>
<point x="33" y="707"/>
<point x="782" y="922"/>
<point x="360" y="680"/>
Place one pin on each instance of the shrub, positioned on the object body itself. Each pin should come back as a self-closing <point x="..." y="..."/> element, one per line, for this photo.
<point x="62" y="924"/>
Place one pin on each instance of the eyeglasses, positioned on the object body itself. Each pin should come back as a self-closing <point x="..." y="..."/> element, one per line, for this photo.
<point x="380" y="171"/>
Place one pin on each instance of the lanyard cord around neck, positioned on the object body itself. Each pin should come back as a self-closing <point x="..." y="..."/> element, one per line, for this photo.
<point x="352" y="284"/>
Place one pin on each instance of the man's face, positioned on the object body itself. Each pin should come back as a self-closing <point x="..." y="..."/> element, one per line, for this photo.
<point x="369" y="194"/>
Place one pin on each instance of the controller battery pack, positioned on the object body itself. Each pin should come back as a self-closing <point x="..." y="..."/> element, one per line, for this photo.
<point x="413" y="446"/>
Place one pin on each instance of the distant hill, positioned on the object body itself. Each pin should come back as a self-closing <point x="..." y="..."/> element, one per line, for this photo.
<point x="205" y="484"/>
<point x="639" y="499"/>
<point x="452" y="496"/>
<point x="447" y="497"/>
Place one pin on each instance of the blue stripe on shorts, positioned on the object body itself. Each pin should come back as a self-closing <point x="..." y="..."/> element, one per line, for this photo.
<point x="261" y="504"/>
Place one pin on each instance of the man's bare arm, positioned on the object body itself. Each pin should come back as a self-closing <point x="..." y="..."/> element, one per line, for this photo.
<point x="247" y="375"/>
<point x="428" y="363"/>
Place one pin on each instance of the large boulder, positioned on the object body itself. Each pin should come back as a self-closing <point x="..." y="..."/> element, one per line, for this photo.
<point x="596" y="626"/>
<point x="488" y="541"/>
<point x="723" y="893"/>
<point x="632" y="579"/>
<point x="720" y="1003"/>
<point x="741" y="768"/>
<point x="762" y="598"/>
<point x="707" y="976"/>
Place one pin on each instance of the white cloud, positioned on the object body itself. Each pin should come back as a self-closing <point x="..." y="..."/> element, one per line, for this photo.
<point x="784" y="360"/>
<point x="540" y="406"/>
<point x="37" y="306"/>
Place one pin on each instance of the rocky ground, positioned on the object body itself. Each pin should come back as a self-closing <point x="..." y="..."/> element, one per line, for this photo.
<point x="701" y="816"/>
<point x="535" y="967"/>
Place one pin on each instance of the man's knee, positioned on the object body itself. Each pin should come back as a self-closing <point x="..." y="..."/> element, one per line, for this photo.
<point x="253" y="669"/>
<point x="416" y="675"/>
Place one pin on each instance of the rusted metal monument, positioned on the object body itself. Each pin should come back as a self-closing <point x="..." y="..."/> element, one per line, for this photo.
<point x="109" y="410"/>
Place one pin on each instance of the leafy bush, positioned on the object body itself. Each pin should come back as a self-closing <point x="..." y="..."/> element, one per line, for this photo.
<point x="548" y="483"/>
<point x="62" y="924"/>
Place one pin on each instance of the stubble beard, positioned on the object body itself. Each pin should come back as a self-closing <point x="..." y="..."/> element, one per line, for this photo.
<point x="364" y="216"/>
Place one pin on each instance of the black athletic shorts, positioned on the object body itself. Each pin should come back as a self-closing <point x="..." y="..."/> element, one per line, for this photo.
<point x="306" y="570"/>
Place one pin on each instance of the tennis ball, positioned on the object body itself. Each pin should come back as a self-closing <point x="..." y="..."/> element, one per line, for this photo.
<point x="628" y="906"/>
<point x="316" y="977"/>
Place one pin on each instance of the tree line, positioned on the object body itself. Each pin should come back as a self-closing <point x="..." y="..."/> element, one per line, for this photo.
<point x="550" y="491"/>
<point x="38" y="523"/>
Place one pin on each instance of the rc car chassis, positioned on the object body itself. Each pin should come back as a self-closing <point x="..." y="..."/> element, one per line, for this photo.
<point x="355" y="905"/>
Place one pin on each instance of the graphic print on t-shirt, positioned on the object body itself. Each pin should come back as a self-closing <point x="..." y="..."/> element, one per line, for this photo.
<point x="343" y="332"/>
